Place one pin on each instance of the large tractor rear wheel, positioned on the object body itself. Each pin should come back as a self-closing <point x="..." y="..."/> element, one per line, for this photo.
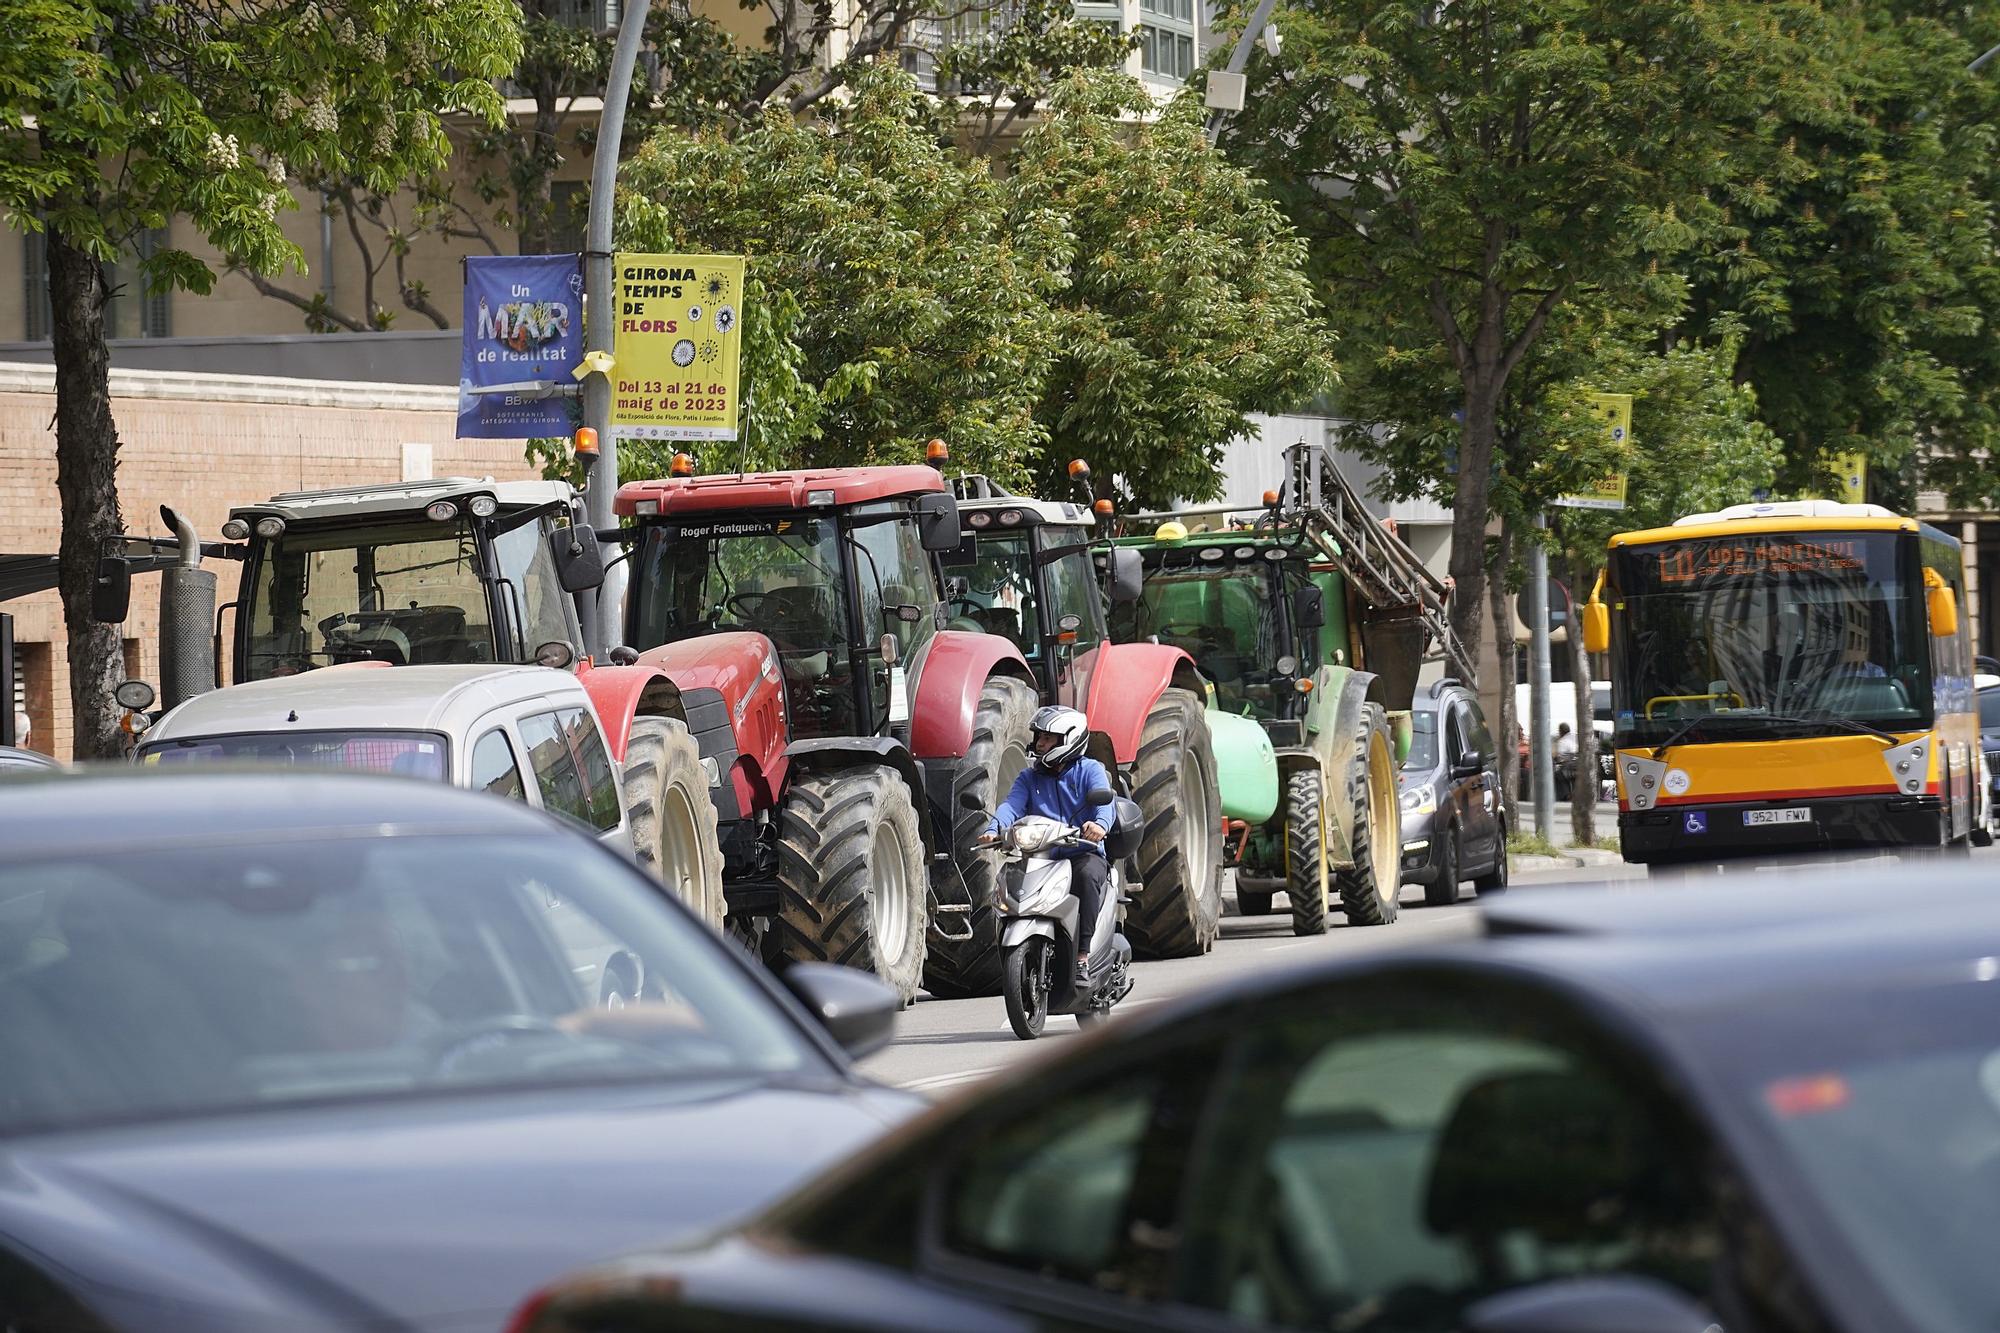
<point x="1177" y="906"/>
<point x="1369" y="890"/>
<point x="851" y="875"/>
<point x="965" y="966"/>
<point x="672" y="814"/>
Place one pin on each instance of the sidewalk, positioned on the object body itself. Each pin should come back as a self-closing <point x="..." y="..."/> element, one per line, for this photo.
<point x="1564" y="837"/>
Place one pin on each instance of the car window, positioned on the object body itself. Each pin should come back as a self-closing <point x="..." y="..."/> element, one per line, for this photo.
<point x="1073" y="591"/>
<point x="600" y="788"/>
<point x="1423" y="755"/>
<point x="494" y="768"/>
<point x="1389" y="1174"/>
<point x="1083" y="1186"/>
<point x="1477" y="733"/>
<point x="190" y="979"/>
<point x="555" y="767"/>
<point x="1454" y="734"/>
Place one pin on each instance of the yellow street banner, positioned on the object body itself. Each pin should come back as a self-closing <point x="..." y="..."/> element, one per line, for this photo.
<point x="679" y="346"/>
<point x="1615" y="411"/>
<point x="1852" y="472"/>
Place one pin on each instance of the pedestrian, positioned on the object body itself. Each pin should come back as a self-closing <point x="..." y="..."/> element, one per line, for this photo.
<point x="1565" y="742"/>
<point x="22" y="725"/>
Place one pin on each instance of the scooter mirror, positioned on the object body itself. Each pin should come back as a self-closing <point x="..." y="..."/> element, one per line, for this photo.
<point x="1099" y="796"/>
<point x="967" y="801"/>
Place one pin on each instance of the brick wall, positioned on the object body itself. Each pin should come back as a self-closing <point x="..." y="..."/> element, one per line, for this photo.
<point x="202" y="443"/>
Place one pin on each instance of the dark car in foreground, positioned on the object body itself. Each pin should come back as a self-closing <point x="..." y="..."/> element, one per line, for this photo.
<point x="1766" y="1107"/>
<point x="17" y="761"/>
<point x="330" y="1052"/>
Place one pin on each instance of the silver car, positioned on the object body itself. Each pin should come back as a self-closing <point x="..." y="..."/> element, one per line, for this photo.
<point x="524" y="732"/>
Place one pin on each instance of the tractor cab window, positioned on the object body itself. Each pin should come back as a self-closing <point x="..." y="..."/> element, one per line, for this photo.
<point x="407" y="593"/>
<point x="893" y="584"/>
<point x="779" y="577"/>
<point x="534" y="594"/>
<point x="1223" y="611"/>
<point x="1073" y="591"/>
<point x="996" y="592"/>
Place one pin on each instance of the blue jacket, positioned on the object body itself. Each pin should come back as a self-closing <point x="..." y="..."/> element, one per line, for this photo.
<point x="1065" y="796"/>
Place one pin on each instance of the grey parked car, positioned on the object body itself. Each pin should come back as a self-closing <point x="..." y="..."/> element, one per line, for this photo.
<point x="1454" y="824"/>
<point x="315" y="1052"/>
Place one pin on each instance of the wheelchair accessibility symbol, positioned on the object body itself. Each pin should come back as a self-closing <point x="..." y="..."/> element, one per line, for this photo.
<point x="1695" y="821"/>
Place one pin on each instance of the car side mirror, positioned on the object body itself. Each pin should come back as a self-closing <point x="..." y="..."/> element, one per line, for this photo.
<point x="1596" y="627"/>
<point x="579" y="564"/>
<point x="1308" y="608"/>
<point x="1128" y="575"/>
<point x="937" y="521"/>
<point x="111" y="593"/>
<point x="856" y="1008"/>
<point x="1468" y="766"/>
<point x="1588" y="1305"/>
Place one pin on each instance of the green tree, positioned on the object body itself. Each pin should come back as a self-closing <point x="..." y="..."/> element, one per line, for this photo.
<point x="1185" y="304"/>
<point x="1860" y="251"/>
<point x="1465" y="172"/>
<point x="889" y="304"/>
<point x="194" y="109"/>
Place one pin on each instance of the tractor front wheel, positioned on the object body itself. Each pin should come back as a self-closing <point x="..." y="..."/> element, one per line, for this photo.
<point x="1370" y="894"/>
<point x="672" y="815"/>
<point x="1177" y="907"/>
<point x="851" y="881"/>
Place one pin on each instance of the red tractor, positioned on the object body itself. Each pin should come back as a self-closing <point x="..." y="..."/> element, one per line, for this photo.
<point x="856" y="739"/>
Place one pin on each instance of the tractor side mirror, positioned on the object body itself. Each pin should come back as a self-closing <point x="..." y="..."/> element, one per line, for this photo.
<point x="937" y="521"/>
<point x="1596" y="627"/>
<point x="1128" y="575"/>
<point x="1308" y="607"/>
<point x="579" y="564"/>
<point x="1943" y="605"/>
<point x="111" y="594"/>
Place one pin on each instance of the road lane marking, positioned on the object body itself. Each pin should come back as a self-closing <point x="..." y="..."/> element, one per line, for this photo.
<point x="948" y="1080"/>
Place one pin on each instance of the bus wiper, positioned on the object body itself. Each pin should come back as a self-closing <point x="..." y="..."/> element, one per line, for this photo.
<point x="1834" y="720"/>
<point x="1687" y="729"/>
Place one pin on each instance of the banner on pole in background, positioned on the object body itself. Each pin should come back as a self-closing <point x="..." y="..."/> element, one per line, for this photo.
<point x="1615" y="411"/>
<point x="1852" y="472"/>
<point x="678" y="348"/>
<point x="523" y="338"/>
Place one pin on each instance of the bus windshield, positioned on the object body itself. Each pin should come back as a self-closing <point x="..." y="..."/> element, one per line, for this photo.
<point x="1740" y="632"/>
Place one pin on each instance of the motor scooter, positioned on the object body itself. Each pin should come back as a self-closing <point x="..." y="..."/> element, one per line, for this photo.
<point x="1040" y="926"/>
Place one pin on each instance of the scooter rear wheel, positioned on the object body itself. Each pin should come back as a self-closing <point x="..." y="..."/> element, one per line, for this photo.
<point x="1026" y="987"/>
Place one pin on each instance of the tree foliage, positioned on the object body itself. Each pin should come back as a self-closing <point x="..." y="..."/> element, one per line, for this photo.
<point x="1466" y="172"/>
<point x="200" y="111"/>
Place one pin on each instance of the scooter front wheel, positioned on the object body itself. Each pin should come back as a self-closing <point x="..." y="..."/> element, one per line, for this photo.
<point x="1027" y="987"/>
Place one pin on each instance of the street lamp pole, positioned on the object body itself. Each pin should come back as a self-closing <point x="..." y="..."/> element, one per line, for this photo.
<point x="1974" y="67"/>
<point x="1225" y="87"/>
<point x="600" y="317"/>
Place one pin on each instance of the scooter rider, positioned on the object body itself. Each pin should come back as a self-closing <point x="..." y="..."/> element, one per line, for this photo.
<point x="1057" y="785"/>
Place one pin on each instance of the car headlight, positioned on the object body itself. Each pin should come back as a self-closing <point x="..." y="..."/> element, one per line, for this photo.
<point x="1421" y="799"/>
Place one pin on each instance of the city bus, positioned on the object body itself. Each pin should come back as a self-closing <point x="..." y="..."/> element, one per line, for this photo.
<point x="1787" y="678"/>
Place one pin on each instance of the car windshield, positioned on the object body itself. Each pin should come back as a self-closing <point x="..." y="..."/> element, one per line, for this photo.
<point x="1423" y="755"/>
<point x="1989" y="710"/>
<point x="411" y="753"/>
<point x="1888" y="1103"/>
<point x="405" y="593"/>
<point x="1221" y="610"/>
<point x="777" y="576"/>
<point x="192" y="980"/>
<point x="996" y="589"/>
<point x="1736" y="630"/>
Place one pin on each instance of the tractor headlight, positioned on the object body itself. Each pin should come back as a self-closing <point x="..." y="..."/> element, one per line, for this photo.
<point x="270" y="527"/>
<point x="236" y="530"/>
<point x="1420" y="799"/>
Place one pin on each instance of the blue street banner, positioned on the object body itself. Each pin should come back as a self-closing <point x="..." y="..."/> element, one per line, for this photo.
<point x="523" y="338"/>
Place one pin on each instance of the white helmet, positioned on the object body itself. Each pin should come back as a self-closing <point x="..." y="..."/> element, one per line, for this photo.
<point x="1067" y="730"/>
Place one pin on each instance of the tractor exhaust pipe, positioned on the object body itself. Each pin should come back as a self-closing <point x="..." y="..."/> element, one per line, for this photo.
<point x="187" y="619"/>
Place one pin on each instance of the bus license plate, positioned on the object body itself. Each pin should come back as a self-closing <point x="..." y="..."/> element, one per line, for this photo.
<point x="1798" y="814"/>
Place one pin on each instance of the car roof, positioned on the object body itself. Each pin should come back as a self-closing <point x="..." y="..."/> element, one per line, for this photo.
<point x="367" y="698"/>
<point x="776" y="490"/>
<point x="19" y="757"/>
<point x="123" y="808"/>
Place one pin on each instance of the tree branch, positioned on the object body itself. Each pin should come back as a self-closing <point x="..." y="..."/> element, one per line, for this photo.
<point x="317" y="310"/>
<point x="1533" y="329"/>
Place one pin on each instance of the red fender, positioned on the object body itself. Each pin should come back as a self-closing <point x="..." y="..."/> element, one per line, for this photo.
<point x="956" y="667"/>
<point x="742" y="667"/>
<point x="621" y="693"/>
<point x="1127" y="683"/>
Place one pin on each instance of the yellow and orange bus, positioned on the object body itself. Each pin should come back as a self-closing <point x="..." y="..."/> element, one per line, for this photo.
<point x="1787" y="678"/>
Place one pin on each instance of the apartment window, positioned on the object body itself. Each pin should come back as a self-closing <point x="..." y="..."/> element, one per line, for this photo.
<point x="569" y="203"/>
<point x="588" y="15"/>
<point x="1166" y="39"/>
<point x="40" y="315"/>
<point x="156" y="309"/>
<point x="129" y="310"/>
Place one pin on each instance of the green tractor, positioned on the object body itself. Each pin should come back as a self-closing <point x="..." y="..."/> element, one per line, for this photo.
<point x="1310" y="628"/>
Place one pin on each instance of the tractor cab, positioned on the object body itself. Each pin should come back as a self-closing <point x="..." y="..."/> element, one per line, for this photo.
<point x="454" y="570"/>
<point x="1249" y="608"/>
<point x="837" y="567"/>
<point x="1024" y="569"/>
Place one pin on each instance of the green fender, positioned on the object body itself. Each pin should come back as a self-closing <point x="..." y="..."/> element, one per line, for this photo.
<point x="1246" y="768"/>
<point x="1332" y="723"/>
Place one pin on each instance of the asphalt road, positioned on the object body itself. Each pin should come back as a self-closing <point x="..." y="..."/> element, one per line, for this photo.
<point x="943" y="1045"/>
